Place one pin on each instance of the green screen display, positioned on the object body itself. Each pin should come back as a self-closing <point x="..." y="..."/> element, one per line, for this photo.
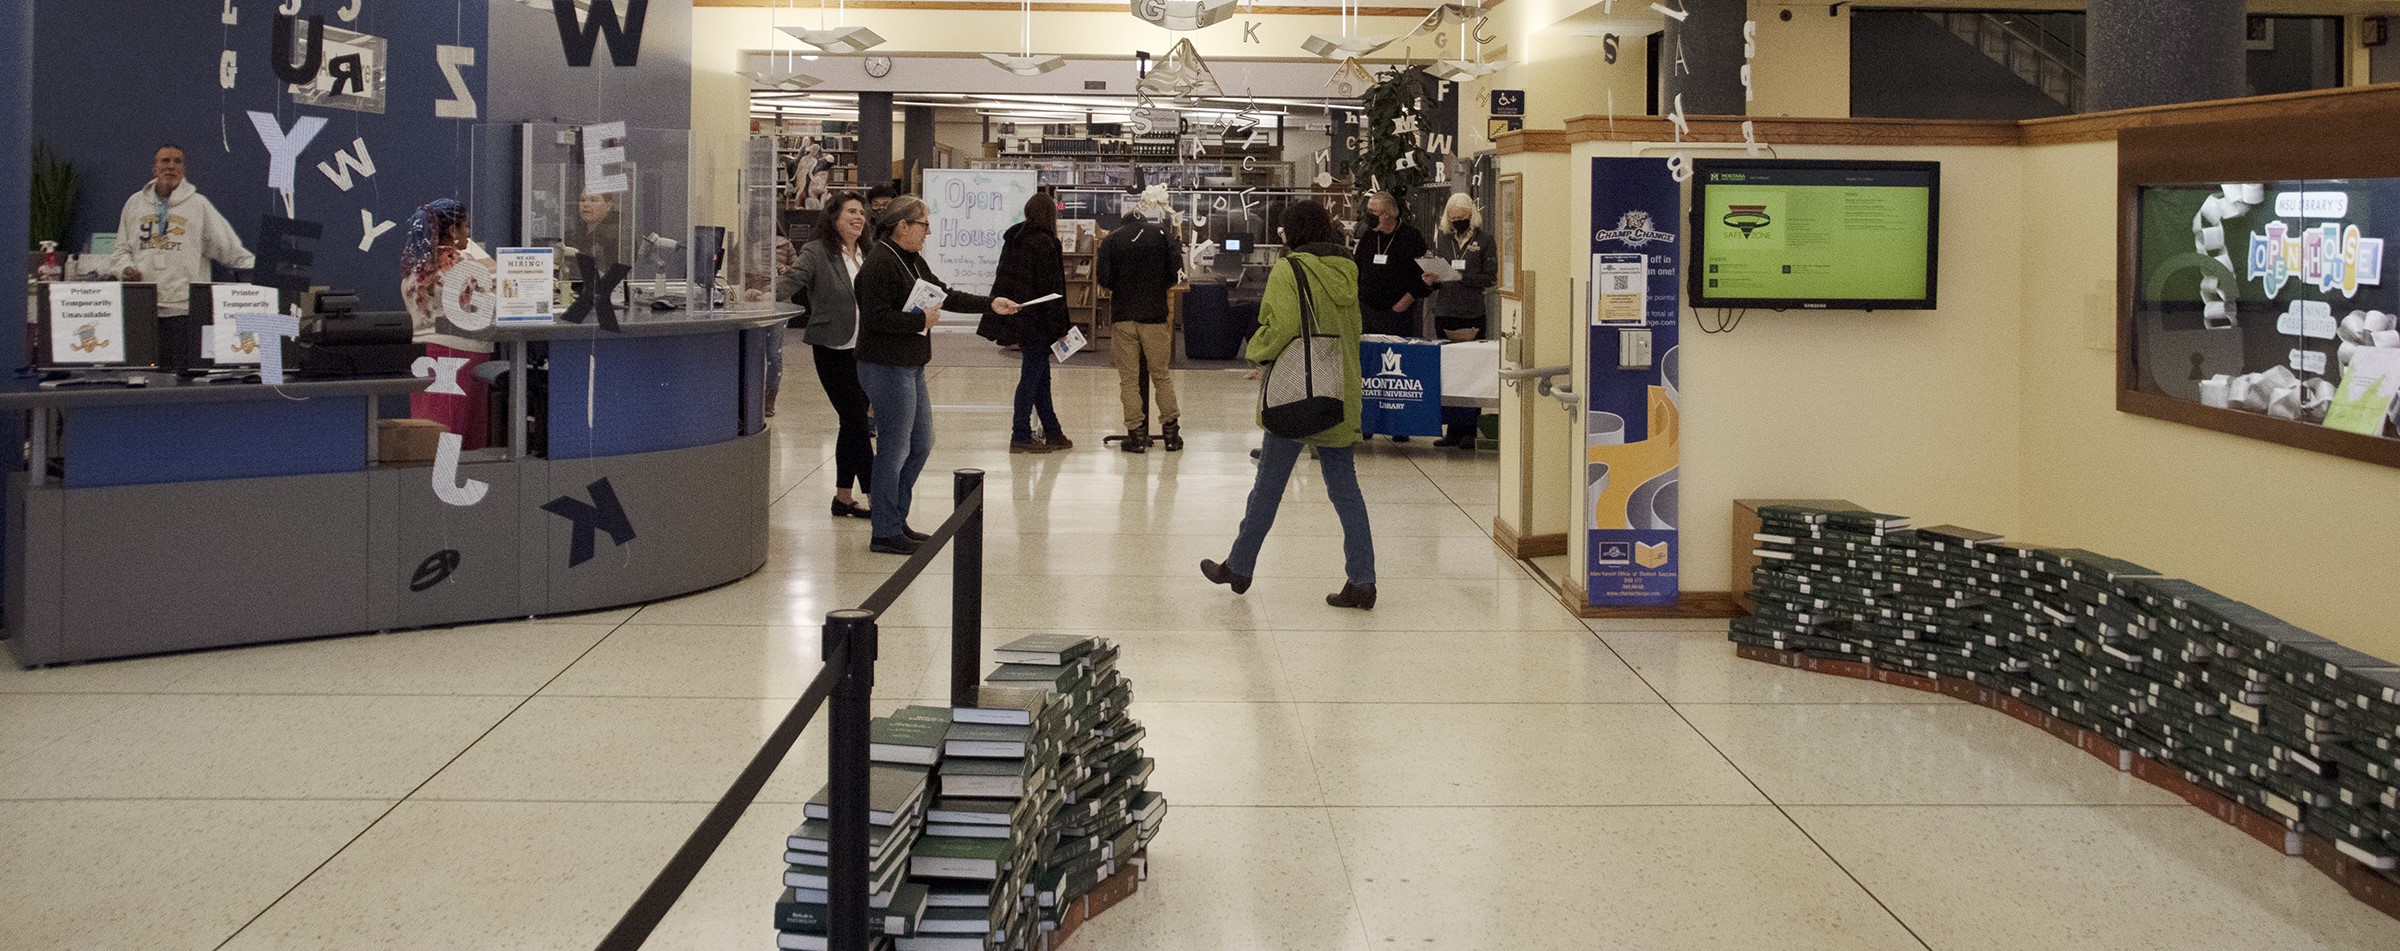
<point x="1815" y="234"/>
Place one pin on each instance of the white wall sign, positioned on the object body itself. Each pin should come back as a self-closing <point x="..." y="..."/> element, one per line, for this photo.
<point x="224" y="344"/>
<point x="970" y="210"/>
<point x="87" y="322"/>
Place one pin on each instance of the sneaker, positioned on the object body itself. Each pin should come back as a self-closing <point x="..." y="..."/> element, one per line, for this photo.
<point x="897" y="545"/>
<point x="1029" y="445"/>
<point x="1217" y="573"/>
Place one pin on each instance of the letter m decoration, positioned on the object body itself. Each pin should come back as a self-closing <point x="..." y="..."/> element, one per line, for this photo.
<point x="580" y="39"/>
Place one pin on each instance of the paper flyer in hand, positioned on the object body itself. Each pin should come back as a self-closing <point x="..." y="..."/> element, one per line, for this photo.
<point x="926" y="296"/>
<point x="1066" y="346"/>
<point x="1439" y="268"/>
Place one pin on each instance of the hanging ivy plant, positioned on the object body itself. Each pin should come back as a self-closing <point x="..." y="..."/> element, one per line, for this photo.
<point x="1384" y="152"/>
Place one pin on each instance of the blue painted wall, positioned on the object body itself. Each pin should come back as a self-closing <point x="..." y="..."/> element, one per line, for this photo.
<point x="114" y="78"/>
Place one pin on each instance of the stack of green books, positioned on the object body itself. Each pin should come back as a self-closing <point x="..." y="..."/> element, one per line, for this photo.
<point x="897" y="797"/>
<point x="2279" y="719"/>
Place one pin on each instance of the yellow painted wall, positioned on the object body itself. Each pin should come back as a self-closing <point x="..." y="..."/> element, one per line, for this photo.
<point x="1914" y="412"/>
<point x="2302" y="535"/>
<point x="1548" y="332"/>
<point x="1803" y="66"/>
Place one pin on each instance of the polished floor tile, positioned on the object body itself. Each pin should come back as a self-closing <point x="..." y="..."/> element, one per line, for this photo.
<point x="158" y="875"/>
<point x="1940" y="752"/>
<point x="481" y="876"/>
<point x="731" y="904"/>
<point x="612" y="749"/>
<point x="1651" y="877"/>
<point x="1229" y="754"/>
<point x="1515" y="755"/>
<point x="255" y="747"/>
<point x="1702" y="668"/>
<point x="1263" y="878"/>
<point x="1456" y="667"/>
<point x="29" y="722"/>
<point x="504" y="660"/>
<point x="2104" y="878"/>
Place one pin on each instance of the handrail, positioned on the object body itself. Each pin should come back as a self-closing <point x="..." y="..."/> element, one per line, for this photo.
<point x="848" y="679"/>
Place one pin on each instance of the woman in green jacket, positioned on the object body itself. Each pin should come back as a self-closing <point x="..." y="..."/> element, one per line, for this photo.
<point x="1309" y="233"/>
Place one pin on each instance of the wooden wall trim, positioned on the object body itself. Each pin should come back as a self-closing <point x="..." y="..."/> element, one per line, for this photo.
<point x="2320" y="106"/>
<point x="1521" y="547"/>
<point x="1531" y="140"/>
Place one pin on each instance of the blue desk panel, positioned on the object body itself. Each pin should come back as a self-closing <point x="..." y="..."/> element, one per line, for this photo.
<point x="647" y="394"/>
<point x="147" y="444"/>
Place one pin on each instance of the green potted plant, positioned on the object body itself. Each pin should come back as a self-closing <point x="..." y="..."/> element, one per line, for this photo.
<point x="54" y="186"/>
<point x="1379" y="159"/>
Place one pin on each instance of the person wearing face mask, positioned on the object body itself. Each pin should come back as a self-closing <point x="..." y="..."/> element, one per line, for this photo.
<point x="1389" y="281"/>
<point x="894" y="344"/>
<point x="821" y="279"/>
<point x="1458" y="305"/>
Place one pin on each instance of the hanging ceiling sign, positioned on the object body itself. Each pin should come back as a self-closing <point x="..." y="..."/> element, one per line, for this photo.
<point x="1183" y="14"/>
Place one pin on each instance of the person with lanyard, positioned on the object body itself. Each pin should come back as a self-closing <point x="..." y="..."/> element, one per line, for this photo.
<point x="1389" y="280"/>
<point x="446" y="284"/>
<point x="899" y="300"/>
<point x="821" y="280"/>
<point x="1458" y="305"/>
<point x="168" y="233"/>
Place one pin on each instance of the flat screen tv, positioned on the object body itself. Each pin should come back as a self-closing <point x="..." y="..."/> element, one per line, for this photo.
<point x="1817" y="235"/>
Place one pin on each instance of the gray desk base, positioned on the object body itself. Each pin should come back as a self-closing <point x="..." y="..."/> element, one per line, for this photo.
<point x="123" y="571"/>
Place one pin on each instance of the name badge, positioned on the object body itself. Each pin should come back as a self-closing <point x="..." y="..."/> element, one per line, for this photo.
<point x="1383" y="259"/>
<point x="1458" y="264"/>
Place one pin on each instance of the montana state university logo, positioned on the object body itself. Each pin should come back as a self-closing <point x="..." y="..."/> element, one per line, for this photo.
<point x="1634" y="229"/>
<point x="1391" y="364"/>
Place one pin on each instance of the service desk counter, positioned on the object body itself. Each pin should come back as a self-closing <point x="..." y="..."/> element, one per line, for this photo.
<point x="186" y="515"/>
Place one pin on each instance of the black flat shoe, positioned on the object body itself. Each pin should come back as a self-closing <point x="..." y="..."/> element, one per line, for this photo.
<point x="843" y="509"/>
<point x="1399" y="439"/>
<point x="1219" y="574"/>
<point x="1360" y="596"/>
<point x="896" y="545"/>
<point x="914" y="535"/>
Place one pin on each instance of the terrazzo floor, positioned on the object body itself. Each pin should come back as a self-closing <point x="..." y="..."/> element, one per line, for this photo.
<point x="1468" y="766"/>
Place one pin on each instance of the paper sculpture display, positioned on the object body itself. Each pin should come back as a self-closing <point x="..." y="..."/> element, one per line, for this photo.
<point x="1181" y="74"/>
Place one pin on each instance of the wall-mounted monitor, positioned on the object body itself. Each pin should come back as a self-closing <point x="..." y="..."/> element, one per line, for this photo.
<point x="1817" y="235"/>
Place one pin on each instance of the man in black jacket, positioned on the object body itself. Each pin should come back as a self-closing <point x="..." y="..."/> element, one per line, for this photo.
<point x="1139" y="263"/>
<point x="1389" y="281"/>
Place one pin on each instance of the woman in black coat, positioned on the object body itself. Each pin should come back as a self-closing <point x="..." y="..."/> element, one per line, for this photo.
<point x="1032" y="264"/>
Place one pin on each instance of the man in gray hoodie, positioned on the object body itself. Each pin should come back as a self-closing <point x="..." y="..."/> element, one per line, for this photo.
<point x="168" y="233"/>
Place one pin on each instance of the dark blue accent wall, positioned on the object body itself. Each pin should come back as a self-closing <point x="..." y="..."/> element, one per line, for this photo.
<point x="118" y="77"/>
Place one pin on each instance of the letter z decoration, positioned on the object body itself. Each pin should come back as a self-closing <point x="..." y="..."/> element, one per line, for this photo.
<point x="602" y="514"/>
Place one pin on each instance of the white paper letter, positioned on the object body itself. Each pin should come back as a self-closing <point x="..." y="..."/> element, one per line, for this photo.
<point x="373" y="229"/>
<point x="443" y="370"/>
<point x="349" y="14"/>
<point x="338" y="171"/>
<point x="231" y="16"/>
<point x="446" y="484"/>
<point x="283" y="149"/>
<point x="461" y="104"/>
<point x="228" y="66"/>
<point x="270" y="330"/>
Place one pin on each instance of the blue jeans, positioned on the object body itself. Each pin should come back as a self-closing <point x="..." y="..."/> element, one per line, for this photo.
<point x="1033" y="397"/>
<point x="1275" y="460"/>
<point x="903" y="439"/>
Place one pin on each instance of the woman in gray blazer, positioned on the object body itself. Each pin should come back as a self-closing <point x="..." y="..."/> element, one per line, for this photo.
<point x="820" y="282"/>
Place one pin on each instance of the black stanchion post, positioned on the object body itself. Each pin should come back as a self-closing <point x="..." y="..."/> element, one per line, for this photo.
<point x="966" y="594"/>
<point x="846" y="875"/>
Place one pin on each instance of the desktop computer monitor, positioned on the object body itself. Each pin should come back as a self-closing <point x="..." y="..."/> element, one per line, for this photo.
<point x="209" y="340"/>
<point x="94" y="325"/>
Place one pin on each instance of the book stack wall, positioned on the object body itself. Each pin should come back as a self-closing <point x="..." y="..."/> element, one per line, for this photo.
<point x="1002" y="816"/>
<point x="2232" y="700"/>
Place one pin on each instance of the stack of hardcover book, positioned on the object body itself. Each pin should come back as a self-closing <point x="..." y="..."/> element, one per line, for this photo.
<point x="2259" y="711"/>
<point x="896" y="808"/>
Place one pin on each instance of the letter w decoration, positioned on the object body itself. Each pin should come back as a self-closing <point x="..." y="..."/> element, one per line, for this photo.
<point x="624" y="36"/>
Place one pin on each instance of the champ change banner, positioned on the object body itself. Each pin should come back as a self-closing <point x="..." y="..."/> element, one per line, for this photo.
<point x="972" y="208"/>
<point x="1631" y="431"/>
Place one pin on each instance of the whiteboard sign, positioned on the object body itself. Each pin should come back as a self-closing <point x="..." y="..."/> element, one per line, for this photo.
<point x="970" y="209"/>
<point x="87" y="322"/>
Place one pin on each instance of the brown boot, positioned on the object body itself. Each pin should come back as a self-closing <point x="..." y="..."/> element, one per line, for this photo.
<point x="1360" y="596"/>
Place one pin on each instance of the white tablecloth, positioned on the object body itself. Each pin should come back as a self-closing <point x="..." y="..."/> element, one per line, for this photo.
<point x="1471" y="374"/>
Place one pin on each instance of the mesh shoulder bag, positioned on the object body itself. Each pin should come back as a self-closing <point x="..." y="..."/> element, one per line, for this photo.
<point x="1300" y="395"/>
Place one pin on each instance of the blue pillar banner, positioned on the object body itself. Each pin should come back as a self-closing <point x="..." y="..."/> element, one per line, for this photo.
<point x="1400" y="388"/>
<point x="1632" y="430"/>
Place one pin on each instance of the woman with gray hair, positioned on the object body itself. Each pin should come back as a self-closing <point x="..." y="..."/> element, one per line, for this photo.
<point x="1458" y="313"/>
<point x="894" y="343"/>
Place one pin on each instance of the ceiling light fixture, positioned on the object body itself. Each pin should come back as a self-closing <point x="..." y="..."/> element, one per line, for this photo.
<point x="1344" y="43"/>
<point x="836" y="39"/>
<point x="1025" y="63"/>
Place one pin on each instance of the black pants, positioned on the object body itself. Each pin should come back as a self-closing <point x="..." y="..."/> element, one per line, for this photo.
<point x="1381" y="320"/>
<point x="854" y="448"/>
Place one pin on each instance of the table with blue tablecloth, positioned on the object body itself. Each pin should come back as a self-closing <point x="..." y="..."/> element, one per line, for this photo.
<point x="1405" y="382"/>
